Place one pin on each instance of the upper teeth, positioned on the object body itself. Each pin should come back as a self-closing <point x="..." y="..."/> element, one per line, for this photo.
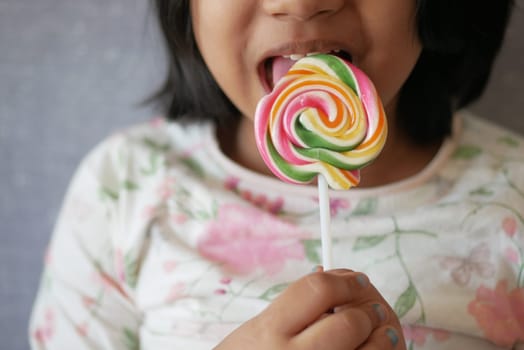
<point x="297" y="56"/>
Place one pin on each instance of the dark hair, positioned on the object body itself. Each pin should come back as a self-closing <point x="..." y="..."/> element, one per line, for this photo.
<point x="460" y="39"/>
<point x="189" y="91"/>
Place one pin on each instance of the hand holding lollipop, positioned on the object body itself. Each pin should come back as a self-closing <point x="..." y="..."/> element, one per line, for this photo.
<point x="324" y="118"/>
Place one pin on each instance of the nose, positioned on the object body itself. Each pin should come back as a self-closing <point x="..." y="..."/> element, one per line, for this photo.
<point x="302" y="10"/>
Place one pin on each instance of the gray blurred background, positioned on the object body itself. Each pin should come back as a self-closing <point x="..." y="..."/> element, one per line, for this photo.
<point x="73" y="71"/>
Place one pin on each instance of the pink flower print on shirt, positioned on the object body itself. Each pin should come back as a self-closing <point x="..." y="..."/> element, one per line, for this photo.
<point x="82" y="329"/>
<point x="166" y="188"/>
<point x="179" y="218"/>
<point x="120" y="266"/>
<point x="44" y="333"/>
<point x="157" y="122"/>
<point x="462" y="268"/>
<point x="418" y="335"/>
<point x="245" y="238"/>
<point x="149" y="212"/>
<point x="509" y="225"/>
<point x="88" y="302"/>
<point x="260" y="200"/>
<point x="337" y="204"/>
<point x="108" y="283"/>
<point x="169" y="265"/>
<point x="175" y="292"/>
<point x="226" y="280"/>
<point x="220" y="291"/>
<point x="499" y="313"/>
<point x="512" y="255"/>
<point x="231" y="183"/>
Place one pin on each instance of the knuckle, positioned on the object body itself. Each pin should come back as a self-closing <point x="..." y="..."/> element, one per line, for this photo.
<point x="356" y="323"/>
<point x="320" y="284"/>
<point x="347" y="321"/>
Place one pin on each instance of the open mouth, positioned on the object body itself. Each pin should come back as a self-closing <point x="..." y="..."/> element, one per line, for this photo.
<point x="274" y="68"/>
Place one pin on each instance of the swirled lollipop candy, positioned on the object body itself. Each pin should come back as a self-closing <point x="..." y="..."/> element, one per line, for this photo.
<point x="322" y="118"/>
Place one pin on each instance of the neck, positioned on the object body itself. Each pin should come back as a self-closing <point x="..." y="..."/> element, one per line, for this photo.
<point x="399" y="159"/>
<point x="239" y="145"/>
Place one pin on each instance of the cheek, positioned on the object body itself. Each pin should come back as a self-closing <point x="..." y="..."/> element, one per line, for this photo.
<point x="392" y="45"/>
<point x="236" y="82"/>
<point x="237" y="78"/>
<point x="394" y="77"/>
<point x="391" y="66"/>
<point x="220" y="34"/>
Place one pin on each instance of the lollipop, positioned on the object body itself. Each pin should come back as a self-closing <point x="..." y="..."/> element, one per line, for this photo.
<point x="323" y="119"/>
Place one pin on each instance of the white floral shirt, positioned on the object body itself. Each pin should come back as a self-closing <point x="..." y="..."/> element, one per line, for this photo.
<point x="164" y="243"/>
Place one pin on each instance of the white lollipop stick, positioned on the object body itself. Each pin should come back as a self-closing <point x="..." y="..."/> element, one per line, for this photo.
<point x="325" y="223"/>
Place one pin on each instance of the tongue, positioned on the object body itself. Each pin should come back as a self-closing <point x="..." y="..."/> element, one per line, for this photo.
<point x="281" y="66"/>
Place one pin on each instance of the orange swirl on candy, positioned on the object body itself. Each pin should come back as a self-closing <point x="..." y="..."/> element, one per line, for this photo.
<point x="323" y="117"/>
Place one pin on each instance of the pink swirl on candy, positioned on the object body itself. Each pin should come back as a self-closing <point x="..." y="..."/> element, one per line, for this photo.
<point x="323" y="117"/>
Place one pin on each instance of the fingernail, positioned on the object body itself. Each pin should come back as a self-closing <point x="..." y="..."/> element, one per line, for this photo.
<point x="362" y="280"/>
<point x="380" y="312"/>
<point x="392" y="335"/>
<point x="316" y="268"/>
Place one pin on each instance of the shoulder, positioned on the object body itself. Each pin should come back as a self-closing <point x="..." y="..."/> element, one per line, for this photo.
<point x="143" y="149"/>
<point x="487" y="164"/>
<point x="128" y="174"/>
<point x="482" y="136"/>
<point x="488" y="167"/>
<point x="127" y="168"/>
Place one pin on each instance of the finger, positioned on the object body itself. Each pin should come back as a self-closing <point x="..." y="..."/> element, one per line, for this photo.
<point x="384" y="338"/>
<point x="307" y="299"/>
<point x="318" y="268"/>
<point x="345" y="329"/>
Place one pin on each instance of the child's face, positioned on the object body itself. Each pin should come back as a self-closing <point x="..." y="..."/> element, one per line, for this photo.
<point x="239" y="38"/>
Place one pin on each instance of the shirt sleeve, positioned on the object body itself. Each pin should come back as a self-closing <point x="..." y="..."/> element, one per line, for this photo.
<point x="85" y="300"/>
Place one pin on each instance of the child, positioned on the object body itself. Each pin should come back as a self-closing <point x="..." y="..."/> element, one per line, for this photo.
<point x="175" y="235"/>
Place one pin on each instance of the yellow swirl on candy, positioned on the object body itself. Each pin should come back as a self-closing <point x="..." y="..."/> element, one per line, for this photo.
<point x="323" y="117"/>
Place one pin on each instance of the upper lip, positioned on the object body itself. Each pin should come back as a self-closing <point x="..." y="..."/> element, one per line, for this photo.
<point x="304" y="47"/>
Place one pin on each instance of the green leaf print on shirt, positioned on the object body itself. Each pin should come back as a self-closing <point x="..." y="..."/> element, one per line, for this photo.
<point x="131" y="340"/>
<point x="155" y="159"/>
<point x="194" y="166"/>
<point x="368" y="242"/>
<point x="129" y="185"/>
<point x="467" y="152"/>
<point x="157" y="147"/>
<point x="153" y="166"/>
<point x="513" y="185"/>
<point x="366" y="206"/>
<point x="312" y="248"/>
<point x="131" y="270"/>
<point x="508" y="141"/>
<point x="481" y="192"/>
<point x="272" y="292"/>
<point x="107" y="193"/>
<point x="406" y="301"/>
